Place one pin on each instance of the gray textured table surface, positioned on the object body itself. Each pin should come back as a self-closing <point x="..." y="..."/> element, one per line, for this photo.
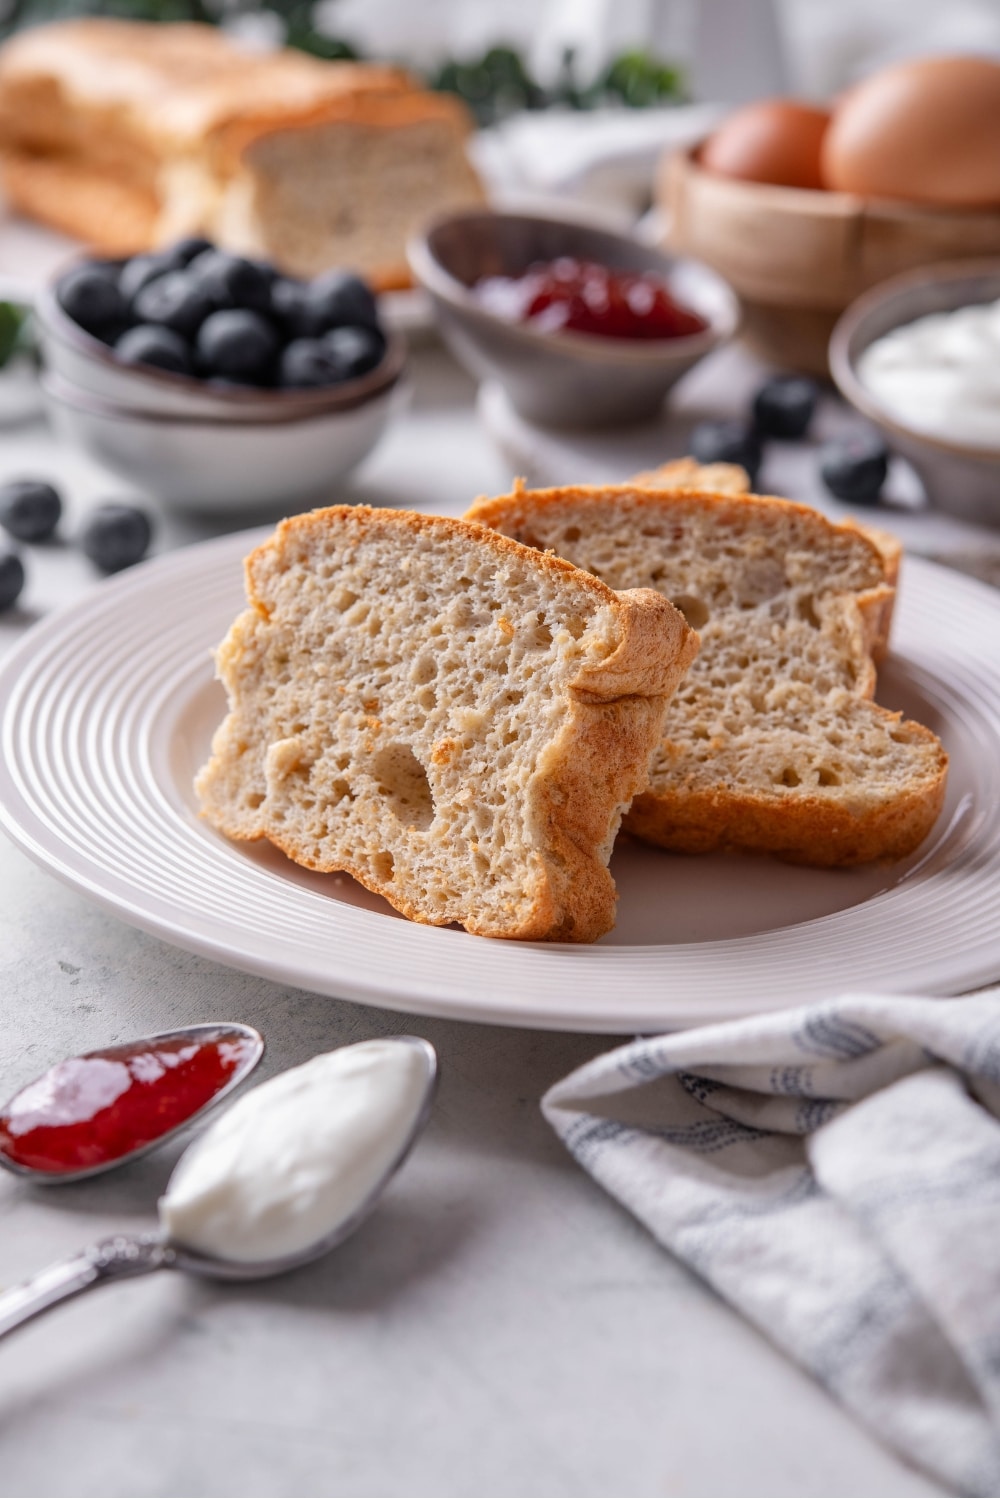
<point x="499" y="1327"/>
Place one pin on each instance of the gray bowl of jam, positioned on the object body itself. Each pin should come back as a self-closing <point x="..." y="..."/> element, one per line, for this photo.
<point x="581" y="326"/>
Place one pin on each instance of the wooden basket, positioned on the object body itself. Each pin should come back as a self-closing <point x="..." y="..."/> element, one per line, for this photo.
<point x="797" y="258"/>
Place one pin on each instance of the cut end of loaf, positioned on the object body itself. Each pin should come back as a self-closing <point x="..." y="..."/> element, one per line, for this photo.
<point x="451" y="718"/>
<point x="349" y="192"/>
<point x="772" y="743"/>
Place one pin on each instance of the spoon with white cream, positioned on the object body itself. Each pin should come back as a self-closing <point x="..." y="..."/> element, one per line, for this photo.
<point x="287" y="1173"/>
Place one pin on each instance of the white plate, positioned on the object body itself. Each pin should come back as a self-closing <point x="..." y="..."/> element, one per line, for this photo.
<point x="108" y="712"/>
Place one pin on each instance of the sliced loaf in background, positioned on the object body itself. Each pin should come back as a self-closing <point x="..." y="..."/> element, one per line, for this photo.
<point x="772" y="743"/>
<point x="454" y="719"/>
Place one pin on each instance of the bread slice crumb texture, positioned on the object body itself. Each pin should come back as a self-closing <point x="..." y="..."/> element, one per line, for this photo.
<point x="453" y="719"/>
<point x="772" y="743"/>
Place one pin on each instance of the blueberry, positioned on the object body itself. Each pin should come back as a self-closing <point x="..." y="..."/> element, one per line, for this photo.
<point x="339" y="298"/>
<point x="115" y="536"/>
<point x="288" y="307"/>
<point x="140" y="271"/>
<point x="152" y="344"/>
<point x="855" y="468"/>
<point x="11" y="578"/>
<point x="355" y="350"/>
<point x="90" y="295"/>
<point x="231" y="281"/>
<point x="727" y="443"/>
<point x="29" y="509"/>
<point x="308" y="362"/>
<point x="176" y="300"/>
<point x="237" y="344"/>
<point x="185" y="250"/>
<point x="784" y="406"/>
<point x="270" y="273"/>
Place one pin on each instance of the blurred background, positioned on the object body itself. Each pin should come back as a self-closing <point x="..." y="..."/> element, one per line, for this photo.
<point x="622" y="115"/>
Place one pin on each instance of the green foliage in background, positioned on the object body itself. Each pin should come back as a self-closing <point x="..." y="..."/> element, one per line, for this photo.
<point x="499" y="84"/>
<point x="493" y="85"/>
<point x="14" y="333"/>
<point x="638" y="80"/>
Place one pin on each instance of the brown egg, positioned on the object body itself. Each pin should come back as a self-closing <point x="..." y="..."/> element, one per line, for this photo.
<point x="774" y="140"/>
<point x="927" y="130"/>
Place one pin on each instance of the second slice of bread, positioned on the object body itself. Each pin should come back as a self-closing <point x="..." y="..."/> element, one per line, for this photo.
<point x="773" y="743"/>
<point x="452" y="718"/>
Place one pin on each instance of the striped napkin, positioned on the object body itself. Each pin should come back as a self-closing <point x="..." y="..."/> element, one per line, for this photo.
<point x="834" y="1173"/>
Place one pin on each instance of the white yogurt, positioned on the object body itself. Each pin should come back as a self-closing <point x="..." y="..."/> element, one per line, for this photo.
<point x="941" y="374"/>
<point x="295" y="1157"/>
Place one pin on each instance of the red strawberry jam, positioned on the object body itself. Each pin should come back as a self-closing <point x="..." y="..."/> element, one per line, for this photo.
<point x="580" y="296"/>
<point x="94" y="1109"/>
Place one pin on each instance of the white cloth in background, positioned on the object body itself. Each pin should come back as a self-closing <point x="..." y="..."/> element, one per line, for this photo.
<point x="834" y="1173"/>
<point x="602" y="159"/>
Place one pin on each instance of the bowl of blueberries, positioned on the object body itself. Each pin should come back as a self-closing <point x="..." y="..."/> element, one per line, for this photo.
<point x="213" y="381"/>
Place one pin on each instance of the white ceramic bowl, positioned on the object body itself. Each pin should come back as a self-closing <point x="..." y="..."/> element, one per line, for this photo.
<point x="206" y="463"/>
<point x="564" y="379"/>
<point x="958" y="477"/>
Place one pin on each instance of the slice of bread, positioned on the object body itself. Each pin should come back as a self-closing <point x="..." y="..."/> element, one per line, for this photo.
<point x="772" y="743"/>
<point x="452" y="718"/>
<point x="733" y="479"/>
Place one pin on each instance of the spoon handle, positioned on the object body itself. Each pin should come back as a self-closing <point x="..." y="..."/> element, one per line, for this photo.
<point x="112" y="1259"/>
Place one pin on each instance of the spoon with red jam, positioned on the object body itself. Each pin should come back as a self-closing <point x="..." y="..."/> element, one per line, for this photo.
<point x="102" y="1109"/>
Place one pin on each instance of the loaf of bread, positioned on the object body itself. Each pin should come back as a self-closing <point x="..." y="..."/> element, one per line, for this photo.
<point x="772" y="743"/>
<point x="456" y="720"/>
<point x="129" y="134"/>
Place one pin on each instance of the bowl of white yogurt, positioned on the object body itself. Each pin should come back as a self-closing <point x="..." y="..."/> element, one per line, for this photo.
<point x="919" y="356"/>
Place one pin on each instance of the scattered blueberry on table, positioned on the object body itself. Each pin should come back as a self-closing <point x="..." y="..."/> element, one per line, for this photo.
<point x="728" y="442"/>
<point x="784" y="405"/>
<point x="29" y="509"/>
<point x="116" y="536"/>
<point x="11" y="578"/>
<point x="193" y="309"/>
<point x="855" y="469"/>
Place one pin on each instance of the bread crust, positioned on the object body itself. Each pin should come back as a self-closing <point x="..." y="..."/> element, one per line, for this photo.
<point x="110" y="214"/>
<point x="677" y="813"/>
<point x="807" y="831"/>
<point x="583" y="777"/>
<point x="689" y="474"/>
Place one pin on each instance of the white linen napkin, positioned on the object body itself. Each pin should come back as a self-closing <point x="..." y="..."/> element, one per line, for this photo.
<point x="834" y="1173"/>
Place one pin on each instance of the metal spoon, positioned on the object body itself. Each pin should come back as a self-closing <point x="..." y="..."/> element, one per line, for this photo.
<point x="204" y="1032"/>
<point x="123" y="1255"/>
